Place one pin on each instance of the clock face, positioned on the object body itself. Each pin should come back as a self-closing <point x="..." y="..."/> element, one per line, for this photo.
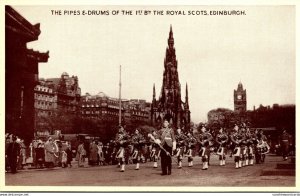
<point x="239" y="97"/>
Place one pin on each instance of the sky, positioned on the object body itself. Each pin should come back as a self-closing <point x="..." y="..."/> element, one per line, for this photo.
<point x="214" y="53"/>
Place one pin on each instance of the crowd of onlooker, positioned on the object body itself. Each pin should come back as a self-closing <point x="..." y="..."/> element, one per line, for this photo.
<point x="38" y="154"/>
<point x="57" y="153"/>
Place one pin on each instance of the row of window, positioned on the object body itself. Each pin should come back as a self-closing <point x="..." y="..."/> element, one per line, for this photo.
<point x="139" y="118"/>
<point x="42" y="113"/>
<point x="102" y="104"/>
<point x="98" y="112"/>
<point x="44" y="103"/>
<point x="114" y="113"/>
<point x="104" y="101"/>
<point x="112" y="106"/>
<point x="45" y="97"/>
<point x="103" y="118"/>
<point x="43" y="89"/>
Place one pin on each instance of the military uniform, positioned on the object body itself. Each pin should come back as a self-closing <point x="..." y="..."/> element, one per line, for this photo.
<point x="237" y="138"/>
<point x="191" y="142"/>
<point x="121" y="141"/>
<point x="250" y="141"/>
<point x="204" y="141"/>
<point x="168" y="141"/>
<point x="155" y="150"/>
<point x="181" y="144"/>
<point x="222" y="140"/>
<point x="137" y="140"/>
<point x="244" y="147"/>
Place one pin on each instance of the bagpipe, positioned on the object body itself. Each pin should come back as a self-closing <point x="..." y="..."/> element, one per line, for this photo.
<point x="205" y="143"/>
<point x="263" y="147"/>
<point x="122" y="140"/>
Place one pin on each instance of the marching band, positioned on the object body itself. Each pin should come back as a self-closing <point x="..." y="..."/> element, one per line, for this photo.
<point x="165" y="143"/>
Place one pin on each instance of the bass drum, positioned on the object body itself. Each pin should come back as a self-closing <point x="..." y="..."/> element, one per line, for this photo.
<point x="263" y="150"/>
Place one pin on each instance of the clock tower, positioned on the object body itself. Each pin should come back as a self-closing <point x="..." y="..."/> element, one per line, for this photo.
<point x="240" y="99"/>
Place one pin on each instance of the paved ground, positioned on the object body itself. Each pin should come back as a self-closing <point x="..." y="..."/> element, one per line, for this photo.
<point x="226" y="176"/>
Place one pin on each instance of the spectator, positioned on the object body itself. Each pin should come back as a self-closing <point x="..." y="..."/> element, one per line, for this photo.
<point x="22" y="158"/>
<point x="64" y="159"/>
<point x="40" y="155"/>
<point x="81" y="153"/>
<point x="13" y="153"/>
<point x="7" y="142"/>
<point x="100" y="153"/>
<point x="49" y="153"/>
<point x="69" y="155"/>
<point x="93" y="156"/>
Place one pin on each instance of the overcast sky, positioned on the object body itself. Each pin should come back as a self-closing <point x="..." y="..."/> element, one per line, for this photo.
<point x="214" y="53"/>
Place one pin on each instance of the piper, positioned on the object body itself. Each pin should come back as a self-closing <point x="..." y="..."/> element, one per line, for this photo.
<point x="138" y="141"/>
<point x="204" y="140"/>
<point x="236" y="137"/>
<point x="191" y="142"/>
<point x="121" y="142"/>
<point x="180" y="140"/>
<point x="221" y="139"/>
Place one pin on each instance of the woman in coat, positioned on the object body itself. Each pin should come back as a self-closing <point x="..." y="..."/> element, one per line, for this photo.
<point x="40" y="155"/>
<point x="81" y="153"/>
<point x="49" y="153"/>
<point x="93" y="156"/>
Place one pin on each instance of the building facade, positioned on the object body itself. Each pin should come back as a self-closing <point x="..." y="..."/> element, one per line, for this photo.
<point x="240" y="99"/>
<point x="169" y="104"/>
<point x="21" y="74"/>
<point x="103" y="107"/>
<point x="55" y="98"/>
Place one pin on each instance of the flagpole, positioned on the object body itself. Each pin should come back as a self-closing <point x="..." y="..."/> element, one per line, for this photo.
<point x="120" y="104"/>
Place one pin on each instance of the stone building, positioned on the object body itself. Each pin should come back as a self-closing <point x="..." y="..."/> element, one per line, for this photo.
<point x="21" y="74"/>
<point x="169" y="104"/>
<point x="137" y="110"/>
<point x="100" y="106"/>
<point x="55" y="97"/>
<point x="103" y="107"/>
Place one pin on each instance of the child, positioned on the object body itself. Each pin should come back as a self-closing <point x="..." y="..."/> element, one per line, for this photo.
<point x="64" y="158"/>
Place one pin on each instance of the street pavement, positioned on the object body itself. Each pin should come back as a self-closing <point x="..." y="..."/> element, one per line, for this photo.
<point x="219" y="176"/>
